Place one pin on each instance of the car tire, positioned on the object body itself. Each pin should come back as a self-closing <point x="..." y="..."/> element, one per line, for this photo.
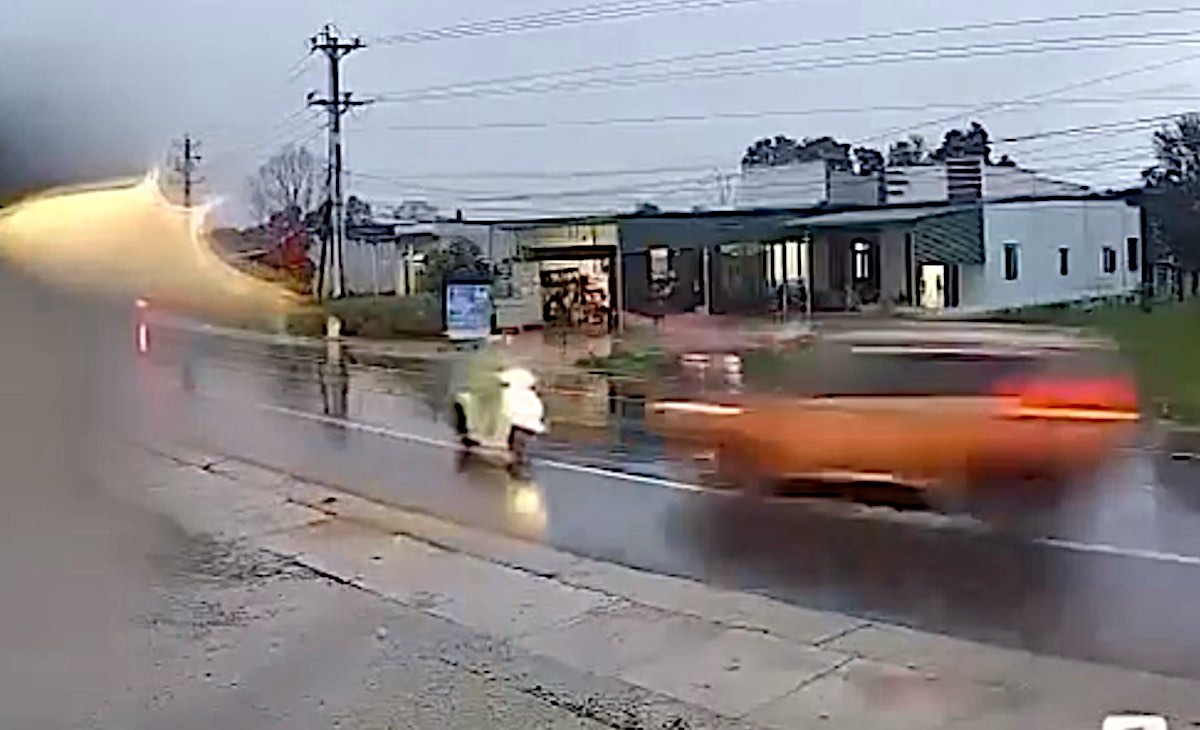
<point x="1005" y="505"/>
<point x="737" y="473"/>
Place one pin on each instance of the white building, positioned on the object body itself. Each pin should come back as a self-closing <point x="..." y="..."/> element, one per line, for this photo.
<point x="980" y="256"/>
<point x="959" y="234"/>
<point x="1058" y="250"/>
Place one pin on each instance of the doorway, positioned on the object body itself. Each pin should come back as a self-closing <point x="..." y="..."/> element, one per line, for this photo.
<point x="932" y="286"/>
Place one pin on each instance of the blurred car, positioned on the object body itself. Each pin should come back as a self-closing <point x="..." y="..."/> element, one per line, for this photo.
<point x="963" y="415"/>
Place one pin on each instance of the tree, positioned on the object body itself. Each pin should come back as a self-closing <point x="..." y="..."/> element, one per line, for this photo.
<point x="1177" y="149"/>
<point x="287" y="180"/>
<point x="971" y="142"/>
<point x="457" y="256"/>
<point x="358" y="211"/>
<point x="868" y="160"/>
<point x="1172" y="199"/>
<point x="783" y="150"/>
<point x="909" y="152"/>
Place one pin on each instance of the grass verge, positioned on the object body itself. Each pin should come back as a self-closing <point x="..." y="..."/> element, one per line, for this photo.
<point x="381" y="318"/>
<point x="637" y="362"/>
<point x="1162" y="345"/>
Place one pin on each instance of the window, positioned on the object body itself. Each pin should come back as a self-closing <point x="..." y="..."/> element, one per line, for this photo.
<point x="1011" y="263"/>
<point x="862" y="260"/>
<point x="1132" y="254"/>
<point x="660" y="262"/>
<point x="1108" y="259"/>
<point x="1064" y="255"/>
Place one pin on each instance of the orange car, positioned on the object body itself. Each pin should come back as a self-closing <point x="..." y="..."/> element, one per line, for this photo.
<point x="953" y="412"/>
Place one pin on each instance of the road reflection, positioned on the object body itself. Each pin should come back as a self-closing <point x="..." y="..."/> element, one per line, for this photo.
<point x="525" y="506"/>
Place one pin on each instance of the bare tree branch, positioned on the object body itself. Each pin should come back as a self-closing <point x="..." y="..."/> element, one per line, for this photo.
<point x="288" y="179"/>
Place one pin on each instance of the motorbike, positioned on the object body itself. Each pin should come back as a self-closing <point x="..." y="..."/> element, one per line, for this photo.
<point x="500" y="411"/>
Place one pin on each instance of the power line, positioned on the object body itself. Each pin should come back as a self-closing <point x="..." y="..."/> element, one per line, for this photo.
<point x="789" y="46"/>
<point x="1091" y="131"/>
<point x="415" y="181"/>
<point x="1041" y="95"/>
<point x="667" y="187"/>
<point x="1038" y="158"/>
<point x="284" y="129"/>
<point x="874" y="58"/>
<point x="1131" y="124"/>
<point x="477" y="174"/>
<point x="486" y="195"/>
<point x="757" y="115"/>
<point x="577" y="15"/>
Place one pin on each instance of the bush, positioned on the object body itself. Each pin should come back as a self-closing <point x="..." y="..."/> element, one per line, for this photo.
<point x="633" y="362"/>
<point x="309" y="322"/>
<point x="418" y="315"/>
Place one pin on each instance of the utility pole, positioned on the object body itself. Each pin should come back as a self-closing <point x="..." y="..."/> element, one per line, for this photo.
<point x="337" y="103"/>
<point x="185" y="165"/>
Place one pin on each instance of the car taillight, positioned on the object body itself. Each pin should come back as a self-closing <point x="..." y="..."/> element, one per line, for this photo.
<point x="1084" y="399"/>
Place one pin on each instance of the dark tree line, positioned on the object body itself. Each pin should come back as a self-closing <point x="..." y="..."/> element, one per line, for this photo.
<point x="1172" y="201"/>
<point x="780" y="150"/>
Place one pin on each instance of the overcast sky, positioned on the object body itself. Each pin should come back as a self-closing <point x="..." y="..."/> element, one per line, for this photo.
<point x="112" y="82"/>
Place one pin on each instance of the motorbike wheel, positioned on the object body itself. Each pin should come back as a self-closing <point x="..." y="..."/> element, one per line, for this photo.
<point x="460" y="427"/>
<point x="519" y="442"/>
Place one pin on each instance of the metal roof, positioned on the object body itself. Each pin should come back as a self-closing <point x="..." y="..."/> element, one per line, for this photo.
<point x="877" y="216"/>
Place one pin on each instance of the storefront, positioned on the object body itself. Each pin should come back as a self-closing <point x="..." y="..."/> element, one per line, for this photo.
<point x="566" y="274"/>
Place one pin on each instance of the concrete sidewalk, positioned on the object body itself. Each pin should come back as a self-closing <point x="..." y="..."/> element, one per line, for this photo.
<point x="642" y="650"/>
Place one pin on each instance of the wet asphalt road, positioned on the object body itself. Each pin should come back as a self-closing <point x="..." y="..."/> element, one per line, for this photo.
<point x="1118" y="581"/>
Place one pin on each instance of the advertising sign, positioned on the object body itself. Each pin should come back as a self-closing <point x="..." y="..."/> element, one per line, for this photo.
<point x="468" y="311"/>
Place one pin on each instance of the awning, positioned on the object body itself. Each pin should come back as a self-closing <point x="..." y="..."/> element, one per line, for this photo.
<point x="940" y="234"/>
<point x="581" y="252"/>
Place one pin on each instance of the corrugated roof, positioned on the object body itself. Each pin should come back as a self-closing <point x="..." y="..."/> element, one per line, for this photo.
<point x="877" y="216"/>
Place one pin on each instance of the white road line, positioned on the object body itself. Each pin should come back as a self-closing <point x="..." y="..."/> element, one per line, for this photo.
<point x="1052" y="542"/>
<point x="443" y="444"/>
<point x="1120" y="552"/>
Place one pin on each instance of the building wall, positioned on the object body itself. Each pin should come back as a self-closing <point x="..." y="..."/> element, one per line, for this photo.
<point x="918" y="184"/>
<point x="1015" y="182"/>
<point x="847" y="188"/>
<point x="494" y="242"/>
<point x="892" y="269"/>
<point x="803" y="185"/>
<point x="787" y="186"/>
<point x="929" y="184"/>
<point x="582" y="234"/>
<point x="372" y="268"/>
<point x="1039" y="229"/>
